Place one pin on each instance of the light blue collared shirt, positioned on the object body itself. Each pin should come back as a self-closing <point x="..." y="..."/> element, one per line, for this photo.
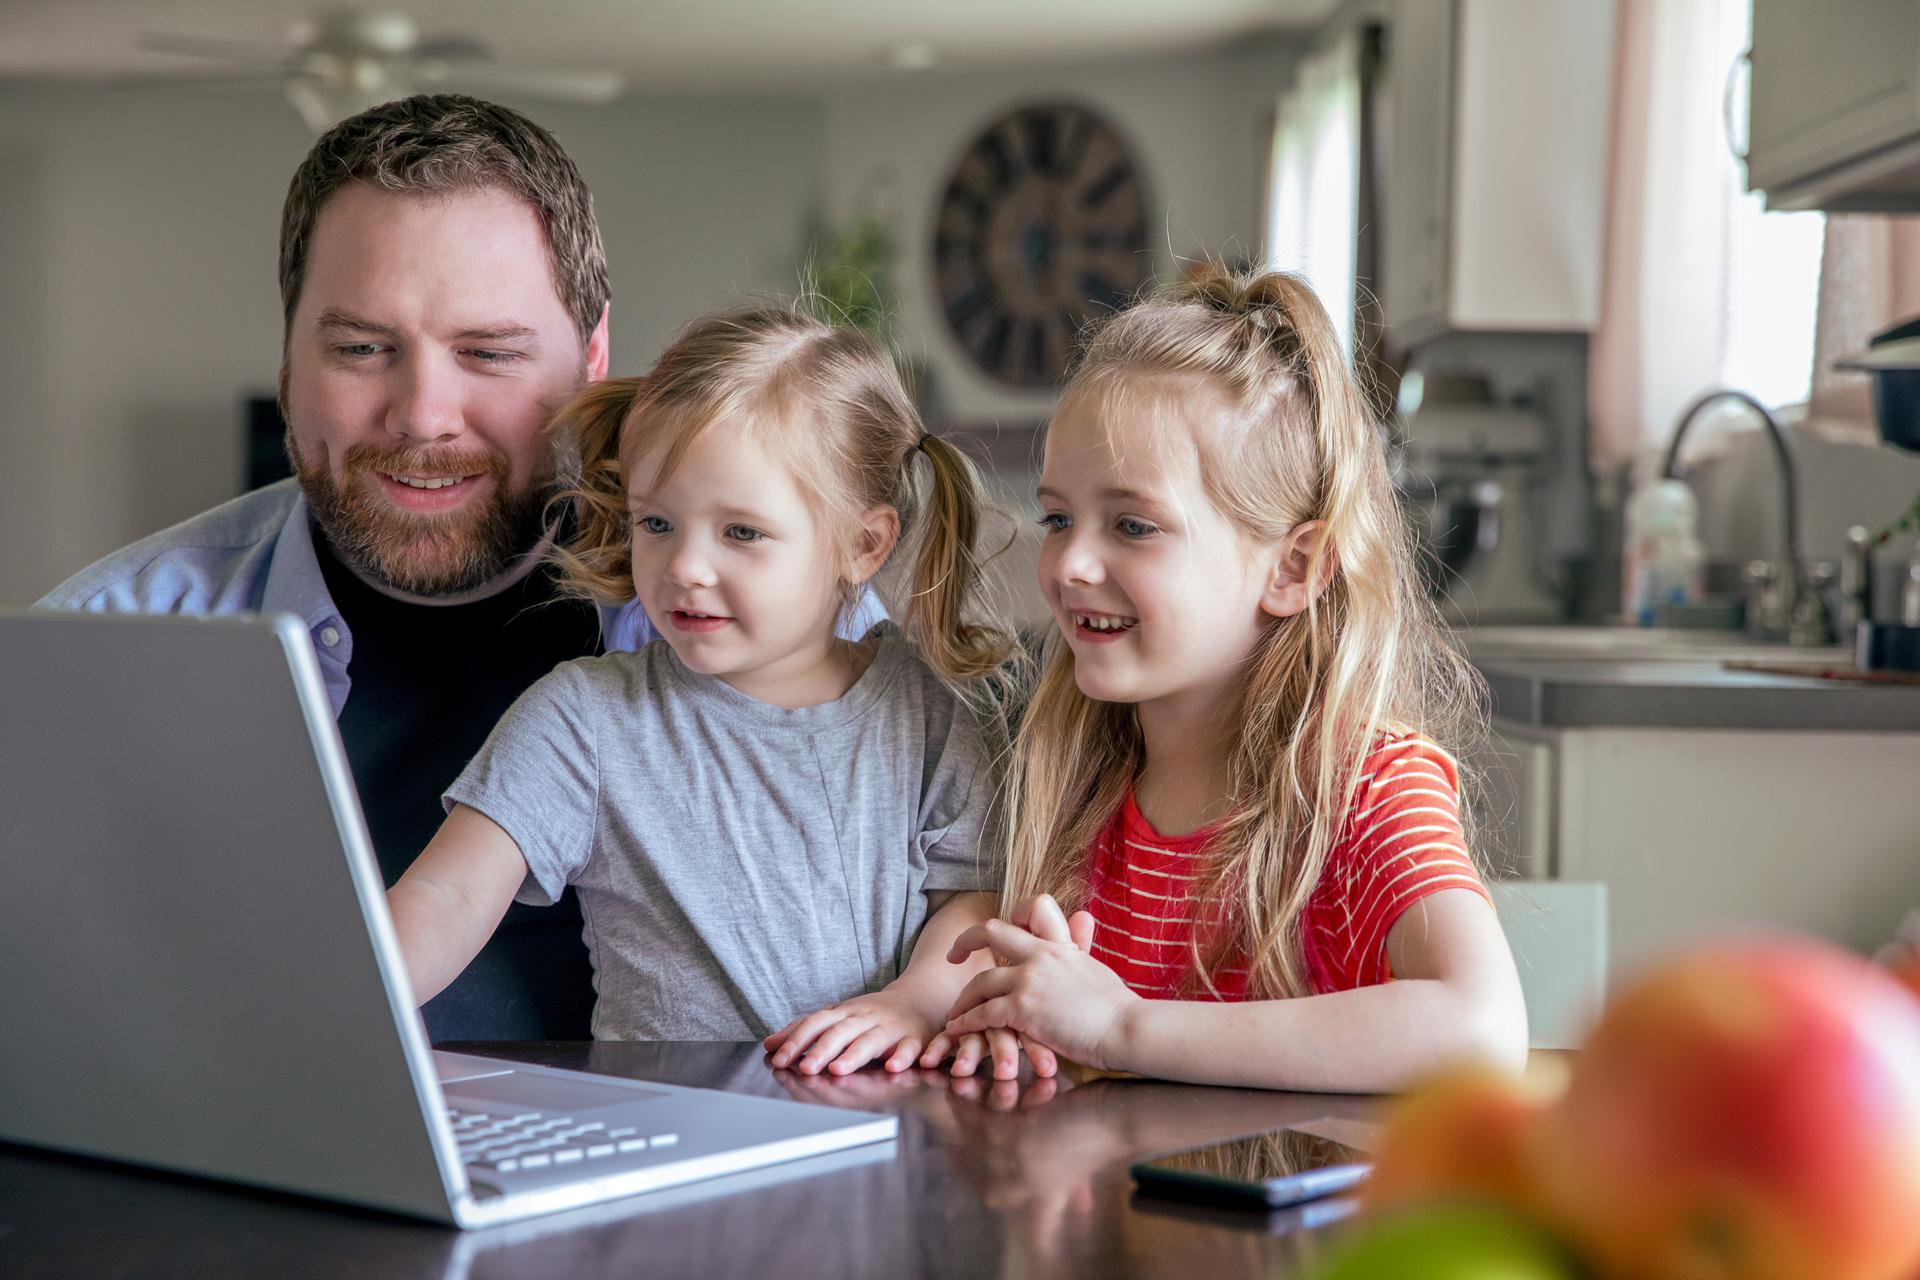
<point x="255" y="555"/>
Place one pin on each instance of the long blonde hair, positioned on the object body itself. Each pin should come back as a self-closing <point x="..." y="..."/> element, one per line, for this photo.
<point x="828" y="401"/>
<point x="1369" y="654"/>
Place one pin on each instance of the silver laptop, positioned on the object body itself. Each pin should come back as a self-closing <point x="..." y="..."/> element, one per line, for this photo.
<point x="198" y="972"/>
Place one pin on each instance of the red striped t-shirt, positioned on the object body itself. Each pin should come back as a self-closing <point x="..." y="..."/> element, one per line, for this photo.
<point x="1401" y="842"/>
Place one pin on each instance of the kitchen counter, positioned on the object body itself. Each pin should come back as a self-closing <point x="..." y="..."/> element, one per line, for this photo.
<point x="1687" y="694"/>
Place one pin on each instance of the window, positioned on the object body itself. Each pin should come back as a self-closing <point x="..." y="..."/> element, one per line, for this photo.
<point x="1313" y="200"/>
<point x="1773" y="262"/>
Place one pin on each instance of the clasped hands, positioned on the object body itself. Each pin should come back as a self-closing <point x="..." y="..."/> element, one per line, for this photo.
<point x="1046" y="995"/>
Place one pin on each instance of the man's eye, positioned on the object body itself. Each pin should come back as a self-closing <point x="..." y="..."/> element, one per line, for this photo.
<point x="1135" y="528"/>
<point x="653" y="524"/>
<point x="495" y="357"/>
<point x="1055" y="522"/>
<point x="358" y="350"/>
<point x="744" y="533"/>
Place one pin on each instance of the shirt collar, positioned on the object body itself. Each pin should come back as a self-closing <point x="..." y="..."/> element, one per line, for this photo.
<point x="295" y="585"/>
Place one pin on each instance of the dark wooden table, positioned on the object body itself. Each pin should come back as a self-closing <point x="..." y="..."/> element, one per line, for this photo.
<point x="1013" y="1179"/>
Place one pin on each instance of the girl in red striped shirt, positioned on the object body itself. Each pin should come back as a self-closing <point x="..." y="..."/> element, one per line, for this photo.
<point x="1232" y="773"/>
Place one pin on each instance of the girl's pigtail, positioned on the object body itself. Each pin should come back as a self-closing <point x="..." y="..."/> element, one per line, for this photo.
<point x="595" y="557"/>
<point x="945" y="571"/>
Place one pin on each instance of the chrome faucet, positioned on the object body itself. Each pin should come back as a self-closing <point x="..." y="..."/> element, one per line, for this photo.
<point x="1808" y="620"/>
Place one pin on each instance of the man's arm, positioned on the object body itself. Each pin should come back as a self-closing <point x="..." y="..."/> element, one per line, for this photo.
<point x="450" y="900"/>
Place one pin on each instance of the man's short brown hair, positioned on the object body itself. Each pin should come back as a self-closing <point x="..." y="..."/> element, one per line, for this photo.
<point x="443" y="143"/>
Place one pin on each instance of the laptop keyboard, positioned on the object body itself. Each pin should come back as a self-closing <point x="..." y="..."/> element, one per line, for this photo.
<point x="539" y="1140"/>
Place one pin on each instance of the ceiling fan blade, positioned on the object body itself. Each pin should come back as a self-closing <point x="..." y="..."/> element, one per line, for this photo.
<point x="452" y="49"/>
<point x="589" y="87"/>
<point x="260" y="54"/>
<point x="134" y="81"/>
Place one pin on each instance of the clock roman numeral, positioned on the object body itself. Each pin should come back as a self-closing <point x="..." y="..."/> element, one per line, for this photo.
<point x="1108" y="183"/>
<point x="1101" y="291"/>
<point x="1042" y="130"/>
<point x="1075" y="150"/>
<point x="1000" y="164"/>
<point x="962" y="308"/>
<point x="991" y="347"/>
<point x="1037" y="369"/>
<point x="969" y="204"/>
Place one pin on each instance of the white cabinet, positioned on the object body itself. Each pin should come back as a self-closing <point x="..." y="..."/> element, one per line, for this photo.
<point x="1834" y="121"/>
<point x="1495" y="183"/>
<point x="1514" y="807"/>
<point x="1702" y="831"/>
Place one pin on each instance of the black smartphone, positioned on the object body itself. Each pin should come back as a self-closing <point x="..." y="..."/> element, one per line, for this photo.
<point x="1266" y="1171"/>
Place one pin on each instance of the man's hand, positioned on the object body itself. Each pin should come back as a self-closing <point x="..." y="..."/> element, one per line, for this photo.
<point x="844" y="1037"/>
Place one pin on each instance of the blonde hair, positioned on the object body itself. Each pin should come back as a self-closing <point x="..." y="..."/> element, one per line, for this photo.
<point x="1368" y="654"/>
<point x="828" y="401"/>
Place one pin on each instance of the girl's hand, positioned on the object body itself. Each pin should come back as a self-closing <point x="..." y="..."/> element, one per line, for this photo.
<point x="844" y="1037"/>
<point x="1042" y="916"/>
<point x="1000" y="1047"/>
<point x="1048" y="989"/>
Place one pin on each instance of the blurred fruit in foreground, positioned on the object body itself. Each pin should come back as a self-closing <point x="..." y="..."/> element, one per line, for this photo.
<point x="1747" y="1111"/>
<point x="1447" y="1241"/>
<point x="1469" y="1134"/>
<point x="1902" y="956"/>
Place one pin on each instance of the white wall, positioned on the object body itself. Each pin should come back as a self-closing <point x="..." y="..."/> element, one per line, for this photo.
<point x="138" y="296"/>
<point x="138" y="231"/>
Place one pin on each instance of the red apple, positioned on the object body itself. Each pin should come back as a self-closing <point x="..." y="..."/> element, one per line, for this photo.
<point x="1902" y="960"/>
<point x="1468" y="1134"/>
<point x="1748" y="1111"/>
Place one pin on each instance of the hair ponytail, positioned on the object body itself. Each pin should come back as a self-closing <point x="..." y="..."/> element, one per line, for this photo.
<point x="596" y="558"/>
<point x="945" y="571"/>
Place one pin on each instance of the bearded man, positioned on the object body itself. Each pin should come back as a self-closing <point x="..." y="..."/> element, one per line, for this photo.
<point x="444" y="289"/>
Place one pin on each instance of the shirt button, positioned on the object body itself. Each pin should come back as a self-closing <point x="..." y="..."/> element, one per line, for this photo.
<point x="329" y="636"/>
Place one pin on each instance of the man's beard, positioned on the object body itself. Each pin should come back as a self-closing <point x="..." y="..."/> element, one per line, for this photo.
<point x="443" y="553"/>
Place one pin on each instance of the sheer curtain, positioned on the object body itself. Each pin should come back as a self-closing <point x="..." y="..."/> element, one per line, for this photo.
<point x="1313" y="190"/>
<point x="1869" y="279"/>
<point x="1701" y="287"/>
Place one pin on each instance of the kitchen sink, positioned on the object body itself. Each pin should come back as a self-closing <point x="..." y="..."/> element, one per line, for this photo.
<point x="1633" y="644"/>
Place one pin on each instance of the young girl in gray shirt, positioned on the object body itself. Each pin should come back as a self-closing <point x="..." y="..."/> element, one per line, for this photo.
<point x="775" y="830"/>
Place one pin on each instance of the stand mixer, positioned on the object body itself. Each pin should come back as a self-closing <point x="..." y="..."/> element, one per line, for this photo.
<point x="1469" y="468"/>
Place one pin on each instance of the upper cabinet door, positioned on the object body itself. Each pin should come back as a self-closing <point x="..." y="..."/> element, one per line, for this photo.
<point x="1835" y="114"/>
<point x="1495" y="190"/>
<point x="1418" y="192"/>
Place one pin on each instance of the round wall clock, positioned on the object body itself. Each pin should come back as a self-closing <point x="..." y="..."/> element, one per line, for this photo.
<point x="1042" y="226"/>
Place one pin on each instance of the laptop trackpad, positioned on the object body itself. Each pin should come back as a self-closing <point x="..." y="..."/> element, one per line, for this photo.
<point x="545" y="1092"/>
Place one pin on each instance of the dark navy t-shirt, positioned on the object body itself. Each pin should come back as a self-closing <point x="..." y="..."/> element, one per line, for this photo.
<point x="428" y="684"/>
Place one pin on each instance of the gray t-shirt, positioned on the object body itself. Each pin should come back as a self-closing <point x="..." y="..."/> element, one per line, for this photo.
<point x="740" y="864"/>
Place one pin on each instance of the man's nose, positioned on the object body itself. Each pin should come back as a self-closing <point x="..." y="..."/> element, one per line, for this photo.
<point x="425" y="405"/>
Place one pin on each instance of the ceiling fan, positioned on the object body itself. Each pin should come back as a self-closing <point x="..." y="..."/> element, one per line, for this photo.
<point x="342" y="61"/>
